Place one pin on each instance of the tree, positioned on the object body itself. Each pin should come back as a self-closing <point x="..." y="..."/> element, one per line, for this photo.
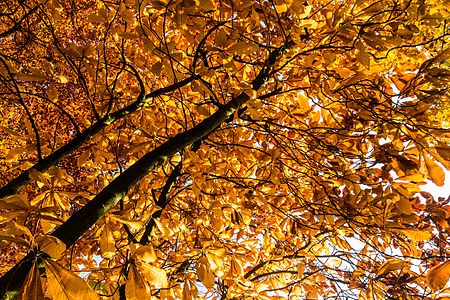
<point x="224" y="149"/>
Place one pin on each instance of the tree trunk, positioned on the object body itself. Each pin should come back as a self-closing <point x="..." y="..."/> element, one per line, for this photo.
<point x="83" y="219"/>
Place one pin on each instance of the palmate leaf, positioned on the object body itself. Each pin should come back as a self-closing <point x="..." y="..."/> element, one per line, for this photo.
<point x="65" y="285"/>
<point x="32" y="288"/>
<point x="136" y="288"/>
<point x="252" y="148"/>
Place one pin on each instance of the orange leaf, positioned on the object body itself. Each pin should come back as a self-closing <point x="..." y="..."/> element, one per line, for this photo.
<point x="136" y="288"/>
<point x="438" y="276"/>
<point x="390" y="265"/>
<point x="32" y="288"/>
<point x="156" y="276"/>
<point x="64" y="285"/>
<point x="436" y="173"/>
<point x="51" y="245"/>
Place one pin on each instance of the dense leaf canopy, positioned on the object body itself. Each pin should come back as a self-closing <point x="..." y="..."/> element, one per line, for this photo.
<point x="224" y="149"/>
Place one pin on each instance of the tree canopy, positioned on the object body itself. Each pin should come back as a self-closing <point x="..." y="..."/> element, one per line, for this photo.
<point x="224" y="149"/>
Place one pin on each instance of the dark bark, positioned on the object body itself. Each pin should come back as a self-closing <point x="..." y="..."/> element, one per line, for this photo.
<point x="18" y="23"/>
<point x="42" y="165"/>
<point x="84" y="218"/>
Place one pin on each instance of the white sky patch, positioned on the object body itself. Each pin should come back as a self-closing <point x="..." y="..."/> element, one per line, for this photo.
<point x="438" y="191"/>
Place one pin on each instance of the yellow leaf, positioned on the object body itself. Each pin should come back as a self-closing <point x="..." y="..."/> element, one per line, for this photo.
<point x="32" y="287"/>
<point x="51" y="245"/>
<point x="136" y="288"/>
<point x="363" y="56"/>
<point x="165" y="231"/>
<point x="107" y="243"/>
<point x="390" y="265"/>
<point x="416" y="177"/>
<point x="156" y="276"/>
<point x="204" y="272"/>
<point x="281" y="8"/>
<point x="438" y="276"/>
<point x="63" y="284"/>
<point x="236" y="268"/>
<point x="215" y="258"/>
<point x="436" y="173"/>
<point x="308" y="23"/>
<point x="414" y="234"/>
<point x="14" y="202"/>
<point x="146" y="254"/>
<point x="14" y="229"/>
<point x="136" y="225"/>
<point x="404" y="206"/>
<point x="62" y="79"/>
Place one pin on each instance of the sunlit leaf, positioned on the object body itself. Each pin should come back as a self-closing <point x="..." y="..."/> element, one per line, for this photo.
<point x="155" y="276"/>
<point x="438" y="276"/>
<point x="32" y="287"/>
<point x="136" y="288"/>
<point x="63" y="284"/>
<point x="435" y="172"/>
<point x="51" y="245"/>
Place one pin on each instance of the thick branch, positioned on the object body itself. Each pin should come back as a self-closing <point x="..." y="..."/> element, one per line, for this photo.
<point x="17" y="24"/>
<point x="84" y="218"/>
<point x="19" y="182"/>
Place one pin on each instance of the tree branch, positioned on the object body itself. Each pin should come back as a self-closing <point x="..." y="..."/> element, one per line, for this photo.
<point x="20" y="181"/>
<point x="83" y="219"/>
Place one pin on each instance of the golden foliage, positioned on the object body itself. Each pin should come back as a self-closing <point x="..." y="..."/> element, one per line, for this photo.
<point x="224" y="149"/>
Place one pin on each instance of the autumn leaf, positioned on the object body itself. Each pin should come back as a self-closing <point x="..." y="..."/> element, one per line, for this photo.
<point x="107" y="242"/>
<point x="390" y="265"/>
<point x="438" y="276"/>
<point x="146" y="254"/>
<point x="51" y="245"/>
<point x="136" y="288"/>
<point x="32" y="287"/>
<point x="414" y="234"/>
<point x="236" y="269"/>
<point x="435" y="172"/>
<point x="155" y="276"/>
<point x="204" y="272"/>
<point x="255" y="149"/>
<point x="63" y="284"/>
